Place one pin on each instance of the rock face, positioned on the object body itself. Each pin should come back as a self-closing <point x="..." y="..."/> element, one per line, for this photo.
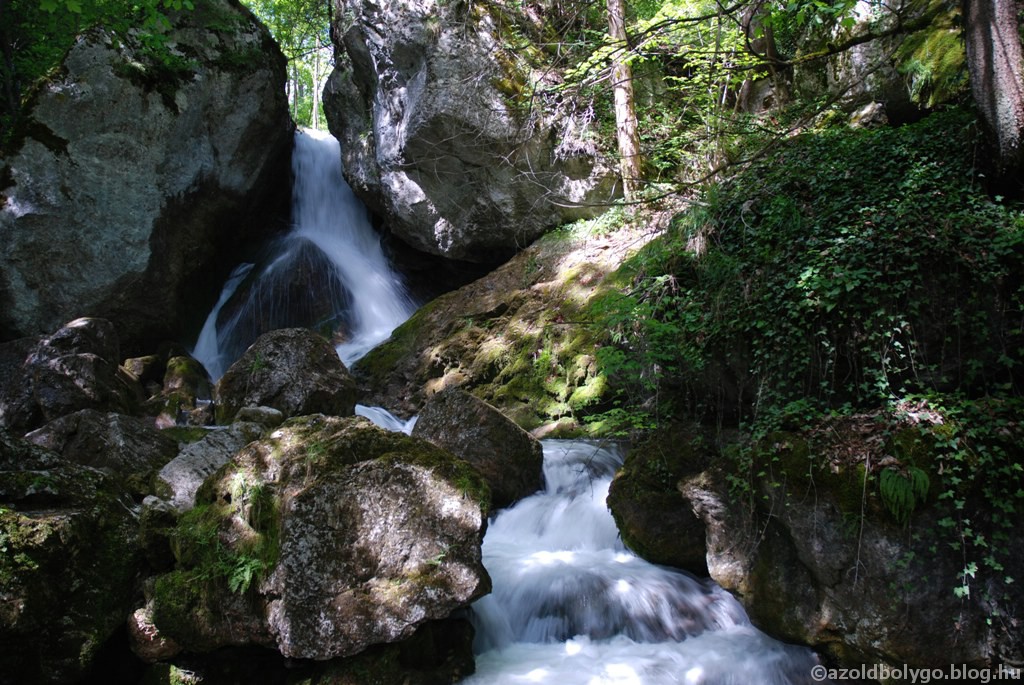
<point x="138" y="175"/>
<point x="127" y="448"/>
<point x="68" y="563"/>
<point x="292" y="370"/>
<point x="510" y="459"/>
<point x="817" y="559"/>
<point x="327" y="537"/>
<point x="434" y="116"/>
<point x="511" y="338"/>
<point x="75" y="368"/>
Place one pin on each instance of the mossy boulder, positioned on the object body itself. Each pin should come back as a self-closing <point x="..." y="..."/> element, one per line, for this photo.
<point x="509" y="458"/>
<point x="654" y="520"/>
<point x="293" y="370"/>
<point x="324" y="538"/>
<point x="815" y="554"/>
<point x="68" y="563"/>
<point x="521" y="338"/>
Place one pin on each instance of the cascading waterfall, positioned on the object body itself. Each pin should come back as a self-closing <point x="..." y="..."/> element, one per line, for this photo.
<point x="570" y="605"/>
<point x="329" y="272"/>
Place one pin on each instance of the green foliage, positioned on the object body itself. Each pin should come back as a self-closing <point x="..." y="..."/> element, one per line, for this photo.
<point x="850" y="274"/>
<point x="302" y="29"/>
<point x="36" y="34"/>
<point x="903" y="491"/>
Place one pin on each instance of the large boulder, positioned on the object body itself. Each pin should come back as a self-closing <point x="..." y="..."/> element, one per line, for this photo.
<point x="644" y="500"/>
<point x="510" y="459"/>
<point x="293" y="370"/>
<point x="818" y="558"/>
<point x="75" y="368"/>
<point x="327" y="537"/>
<point x="68" y="560"/>
<point x="139" y="171"/>
<point x="129" y="449"/>
<point x="434" y="112"/>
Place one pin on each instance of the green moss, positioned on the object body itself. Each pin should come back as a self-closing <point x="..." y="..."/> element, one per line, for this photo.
<point x="186" y="434"/>
<point x="459" y="473"/>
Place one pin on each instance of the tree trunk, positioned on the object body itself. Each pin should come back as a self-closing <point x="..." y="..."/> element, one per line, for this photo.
<point x="314" y="119"/>
<point x="625" y="112"/>
<point x="996" y="65"/>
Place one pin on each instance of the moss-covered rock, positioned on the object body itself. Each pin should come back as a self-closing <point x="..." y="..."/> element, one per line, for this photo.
<point x="654" y="520"/>
<point x="326" y="537"/>
<point x="509" y="458"/>
<point x="68" y="562"/>
<point x="522" y="338"/>
<point x="807" y="541"/>
<point x="293" y="370"/>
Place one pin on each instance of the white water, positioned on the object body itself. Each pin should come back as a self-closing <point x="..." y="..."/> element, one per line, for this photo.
<point x="360" y="288"/>
<point x="571" y="606"/>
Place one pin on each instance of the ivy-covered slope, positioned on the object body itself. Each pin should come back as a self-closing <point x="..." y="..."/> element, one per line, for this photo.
<point x="853" y="305"/>
<point x="849" y="268"/>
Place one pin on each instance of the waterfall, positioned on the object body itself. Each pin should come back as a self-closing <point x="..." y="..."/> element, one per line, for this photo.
<point x="328" y="273"/>
<point x="571" y="606"/>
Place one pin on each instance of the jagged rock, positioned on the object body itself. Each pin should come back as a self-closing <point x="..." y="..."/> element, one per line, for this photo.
<point x="139" y="173"/>
<point x="73" y="369"/>
<point x="68" y="562"/>
<point x="185" y="394"/>
<point x="817" y="560"/>
<point x="292" y="370"/>
<point x="146" y="641"/>
<point x="509" y="458"/>
<point x="438" y="136"/>
<point x="180" y="479"/>
<point x="128" y="448"/>
<point x="326" y="537"/>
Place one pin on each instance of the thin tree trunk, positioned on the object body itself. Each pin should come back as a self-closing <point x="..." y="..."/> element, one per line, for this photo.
<point x="315" y="120"/>
<point x="996" y="64"/>
<point x="625" y="111"/>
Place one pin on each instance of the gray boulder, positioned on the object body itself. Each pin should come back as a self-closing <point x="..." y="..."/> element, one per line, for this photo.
<point x="441" y="134"/>
<point x="67" y="567"/>
<point x="327" y="537"/>
<point x="72" y="369"/>
<point x="510" y="459"/>
<point x="139" y="174"/>
<point x="128" y="448"/>
<point x="293" y="370"/>
<point x="180" y="479"/>
<point x="822" y="562"/>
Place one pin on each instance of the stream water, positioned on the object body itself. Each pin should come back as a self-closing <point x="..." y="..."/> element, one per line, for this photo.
<point x="570" y="605"/>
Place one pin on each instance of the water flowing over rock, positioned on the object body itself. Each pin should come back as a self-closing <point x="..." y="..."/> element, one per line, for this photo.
<point x="510" y="459"/>
<point x="68" y="564"/>
<point x="433" y="113"/>
<point x="293" y="370"/>
<point x="327" y="537"/>
<point x="140" y="175"/>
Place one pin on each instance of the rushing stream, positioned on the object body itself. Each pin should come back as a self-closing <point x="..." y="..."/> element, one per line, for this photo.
<point x="570" y="605"/>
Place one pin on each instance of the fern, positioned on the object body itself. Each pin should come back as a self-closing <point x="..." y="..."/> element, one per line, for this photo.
<point x="902" y="493"/>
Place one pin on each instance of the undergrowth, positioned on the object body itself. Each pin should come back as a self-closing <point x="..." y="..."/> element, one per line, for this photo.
<point x="852" y="271"/>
